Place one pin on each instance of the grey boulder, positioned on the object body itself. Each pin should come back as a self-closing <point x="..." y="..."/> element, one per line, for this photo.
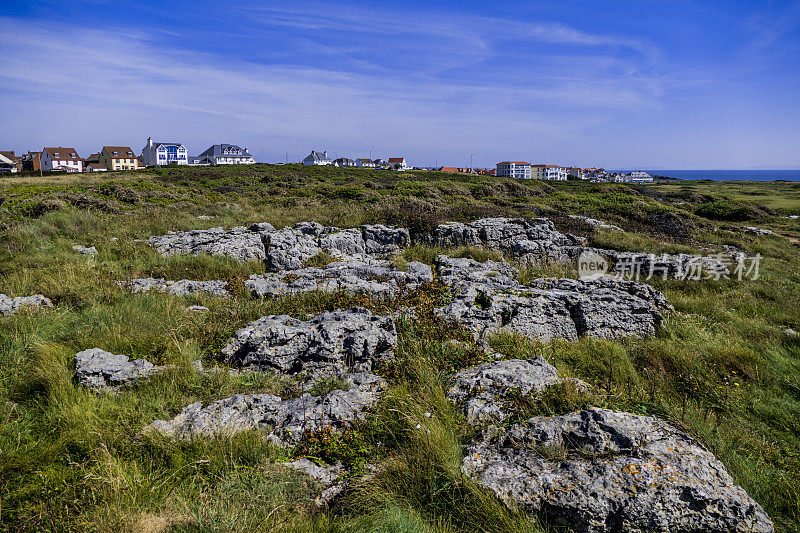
<point x="600" y="471"/>
<point x="178" y="288"/>
<point x="105" y="371"/>
<point x="240" y="243"/>
<point x="9" y="305"/>
<point x="458" y="271"/>
<point x="483" y="390"/>
<point x="593" y="222"/>
<point x="374" y="276"/>
<point x="553" y="308"/>
<point x="332" y="343"/>
<point x="284" y="421"/>
<point x="92" y="251"/>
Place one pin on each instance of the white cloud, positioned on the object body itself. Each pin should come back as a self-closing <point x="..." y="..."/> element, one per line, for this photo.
<point x="71" y="85"/>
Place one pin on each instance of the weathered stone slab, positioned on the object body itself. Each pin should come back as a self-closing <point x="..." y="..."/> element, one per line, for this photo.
<point x="482" y="390"/>
<point x="331" y="343"/>
<point x="105" y="371"/>
<point x="456" y="271"/>
<point x="240" y="243"/>
<point x="9" y="305"/>
<point x="600" y="471"/>
<point x="373" y="276"/>
<point x="178" y="288"/>
<point x="285" y="421"/>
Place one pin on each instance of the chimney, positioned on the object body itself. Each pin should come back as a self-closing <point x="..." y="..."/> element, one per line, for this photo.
<point x="150" y="142"/>
<point x="325" y="154"/>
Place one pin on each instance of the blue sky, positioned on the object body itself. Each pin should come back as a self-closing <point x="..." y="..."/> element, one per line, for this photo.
<point x="648" y="84"/>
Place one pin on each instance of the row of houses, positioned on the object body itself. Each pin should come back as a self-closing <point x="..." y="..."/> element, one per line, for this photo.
<point x="321" y="159"/>
<point x="525" y="170"/>
<point x="67" y="159"/>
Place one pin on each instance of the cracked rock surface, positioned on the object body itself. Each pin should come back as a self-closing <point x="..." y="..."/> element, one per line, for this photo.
<point x="332" y="343"/>
<point x="531" y="239"/>
<point x="179" y="288"/>
<point x="598" y="470"/>
<point x="375" y="276"/>
<point x="456" y="271"/>
<point x="482" y="390"/>
<point x="240" y="243"/>
<point x="284" y="421"/>
<point x="9" y="305"/>
<point x="102" y="370"/>
<point x="552" y="308"/>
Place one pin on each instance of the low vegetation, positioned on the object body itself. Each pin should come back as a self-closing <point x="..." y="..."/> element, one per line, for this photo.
<point x="725" y="367"/>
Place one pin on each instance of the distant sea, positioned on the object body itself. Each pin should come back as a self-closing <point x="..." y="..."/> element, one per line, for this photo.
<point x="730" y="175"/>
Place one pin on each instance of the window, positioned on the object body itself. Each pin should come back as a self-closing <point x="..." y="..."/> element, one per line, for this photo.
<point x="115" y="154"/>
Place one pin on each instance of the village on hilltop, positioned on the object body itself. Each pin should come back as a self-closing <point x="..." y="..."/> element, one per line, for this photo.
<point x="153" y="154"/>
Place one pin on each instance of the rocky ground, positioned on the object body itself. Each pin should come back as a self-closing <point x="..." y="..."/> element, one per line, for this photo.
<point x="449" y="375"/>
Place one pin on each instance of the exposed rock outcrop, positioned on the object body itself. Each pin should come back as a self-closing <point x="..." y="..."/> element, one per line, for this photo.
<point x="9" y="305"/>
<point x="328" y="476"/>
<point x="178" y="288"/>
<point x="285" y="421"/>
<point x="290" y="248"/>
<point x="240" y="243"/>
<point x="529" y="239"/>
<point x="91" y="251"/>
<point x="558" y="308"/>
<point x="374" y="276"/>
<point x="332" y="343"/>
<point x="599" y="471"/>
<point x="457" y="271"/>
<point x="482" y="390"/>
<point x="595" y="223"/>
<point x="105" y="371"/>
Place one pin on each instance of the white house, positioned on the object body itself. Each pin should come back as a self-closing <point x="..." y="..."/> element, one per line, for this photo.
<point x="160" y="153"/>
<point x="365" y="162"/>
<point x="226" y="154"/>
<point x="317" y="158"/>
<point x="640" y="176"/>
<point x="514" y="169"/>
<point x="61" y="158"/>
<point x="398" y="163"/>
<point x="344" y="162"/>
<point x="7" y="164"/>
<point x="548" y="172"/>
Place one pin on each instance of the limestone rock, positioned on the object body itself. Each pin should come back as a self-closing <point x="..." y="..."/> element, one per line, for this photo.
<point x="9" y="305"/>
<point x="483" y="389"/>
<point x="375" y="276"/>
<point x="758" y="231"/>
<point x="331" y="343"/>
<point x="285" y="421"/>
<point x="178" y="288"/>
<point x="595" y="223"/>
<point x="530" y="239"/>
<point x="105" y="371"/>
<point x="240" y="243"/>
<point x="461" y="272"/>
<point x="384" y="240"/>
<point x="327" y="476"/>
<point x="92" y="251"/>
<point x="559" y="309"/>
<point x="599" y="471"/>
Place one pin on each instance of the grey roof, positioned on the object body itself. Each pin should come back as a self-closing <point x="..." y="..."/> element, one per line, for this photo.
<point x="215" y="150"/>
<point x="166" y="144"/>
<point x="344" y="160"/>
<point x="317" y="156"/>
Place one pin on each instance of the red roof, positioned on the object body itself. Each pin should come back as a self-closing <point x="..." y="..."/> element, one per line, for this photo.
<point x="449" y="169"/>
<point x="63" y="154"/>
<point x="513" y="163"/>
<point x="396" y="159"/>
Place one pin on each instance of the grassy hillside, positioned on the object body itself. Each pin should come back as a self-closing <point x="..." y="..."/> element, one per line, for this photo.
<point x="723" y="367"/>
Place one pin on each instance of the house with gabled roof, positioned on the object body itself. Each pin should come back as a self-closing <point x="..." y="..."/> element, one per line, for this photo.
<point x="10" y="162"/>
<point x="164" y="153"/>
<point x="344" y="162"/>
<point x="118" y="158"/>
<point x="92" y="163"/>
<point x="61" y="158"/>
<point x="365" y="162"/>
<point x="224" y="154"/>
<point x="317" y="158"/>
<point x="397" y="163"/>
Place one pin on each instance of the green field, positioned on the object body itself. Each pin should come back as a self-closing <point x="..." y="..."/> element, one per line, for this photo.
<point x="723" y="367"/>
